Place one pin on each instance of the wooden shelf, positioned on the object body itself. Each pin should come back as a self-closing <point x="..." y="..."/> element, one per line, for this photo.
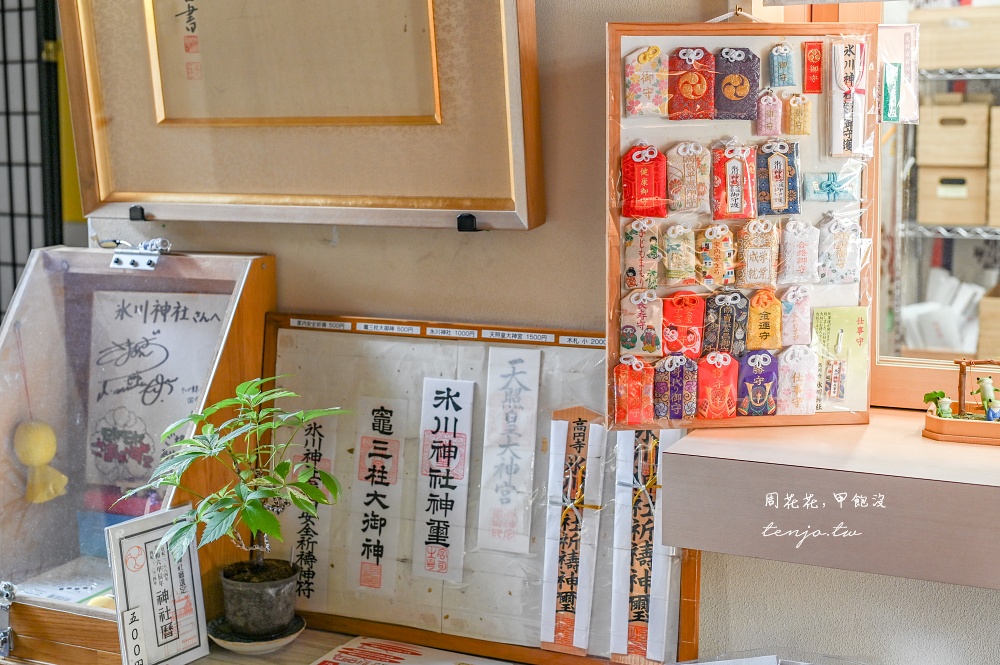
<point x="941" y="514"/>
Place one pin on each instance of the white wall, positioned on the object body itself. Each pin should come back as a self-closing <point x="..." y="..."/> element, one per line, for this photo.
<point x="554" y="277"/>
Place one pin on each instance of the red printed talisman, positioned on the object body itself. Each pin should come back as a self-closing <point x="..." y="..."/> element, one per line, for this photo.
<point x="633" y="391"/>
<point x="734" y="182"/>
<point x="717" y="375"/>
<point x="644" y="182"/>
<point x="683" y="323"/>
<point x="812" y="67"/>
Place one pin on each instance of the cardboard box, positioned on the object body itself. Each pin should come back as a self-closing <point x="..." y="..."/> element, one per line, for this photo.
<point x="958" y="37"/>
<point x="951" y="196"/>
<point x="993" y="216"/>
<point x="953" y="135"/>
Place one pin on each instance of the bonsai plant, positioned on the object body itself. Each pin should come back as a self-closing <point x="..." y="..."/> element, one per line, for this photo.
<point x="255" y="444"/>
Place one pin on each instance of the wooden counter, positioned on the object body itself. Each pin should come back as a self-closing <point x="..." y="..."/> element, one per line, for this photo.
<point x="875" y="498"/>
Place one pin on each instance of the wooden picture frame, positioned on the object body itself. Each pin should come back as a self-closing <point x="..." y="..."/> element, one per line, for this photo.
<point x="869" y="213"/>
<point x="482" y="159"/>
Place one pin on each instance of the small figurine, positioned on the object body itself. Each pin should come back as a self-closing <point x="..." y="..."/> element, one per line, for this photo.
<point x="993" y="411"/>
<point x="35" y="447"/>
<point x="944" y="408"/>
<point x="985" y="390"/>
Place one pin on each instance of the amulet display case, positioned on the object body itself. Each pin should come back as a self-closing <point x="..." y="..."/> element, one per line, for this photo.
<point x="97" y="357"/>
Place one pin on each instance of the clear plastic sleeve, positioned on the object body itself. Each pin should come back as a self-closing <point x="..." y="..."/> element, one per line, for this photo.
<point x="785" y="126"/>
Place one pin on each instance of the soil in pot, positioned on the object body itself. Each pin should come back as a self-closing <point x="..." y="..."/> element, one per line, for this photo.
<point x="259" y="603"/>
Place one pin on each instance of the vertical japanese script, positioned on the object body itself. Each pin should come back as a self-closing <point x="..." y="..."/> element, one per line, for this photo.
<point x="376" y="495"/>
<point x="443" y="479"/>
<point x="310" y="544"/>
<point x="572" y="521"/>
<point x="150" y="358"/>
<point x="509" y="449"/>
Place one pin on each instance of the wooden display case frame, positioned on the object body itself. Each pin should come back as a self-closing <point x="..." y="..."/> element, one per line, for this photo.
<point x="869" y="218"/>
<point x="43" y="633"/>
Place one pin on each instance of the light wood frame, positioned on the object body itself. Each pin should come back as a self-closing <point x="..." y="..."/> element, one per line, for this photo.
<point x="690" y="582"/>
<point x="869" y="219"/>
<point x="522" y="209"/>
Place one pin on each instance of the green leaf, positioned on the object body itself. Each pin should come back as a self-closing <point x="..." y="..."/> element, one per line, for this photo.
<point x="313" y="493"/>
<point x="180" y="535"/>
<point x="193" y="418"/>
<point x="331" y="484"/>
<point x="934" y="396"/>
<point x="271" y="395"/>
<point x="302" y="504"/>
<point x="259" y="518"/>
<point x="218" y="523"/>
<point x="305" y="472"/>
<point x="250" y="386"/>
<point x="177" y="464"/>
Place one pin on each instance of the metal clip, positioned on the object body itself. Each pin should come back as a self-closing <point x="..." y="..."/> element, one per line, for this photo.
<point x="7" y="592"/>
<point x="130" y="257"/>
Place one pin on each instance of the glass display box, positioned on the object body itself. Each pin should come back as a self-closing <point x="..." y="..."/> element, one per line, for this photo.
<point x="97" y="358"/>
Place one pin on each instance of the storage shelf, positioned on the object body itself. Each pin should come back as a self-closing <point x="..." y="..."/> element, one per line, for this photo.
<point x="960" y="74"/>
<point x="914" y="230"/>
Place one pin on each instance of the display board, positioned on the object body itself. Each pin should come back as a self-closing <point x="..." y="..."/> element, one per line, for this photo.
<point x="492" y="602"/>
<point x="742" y="201"/>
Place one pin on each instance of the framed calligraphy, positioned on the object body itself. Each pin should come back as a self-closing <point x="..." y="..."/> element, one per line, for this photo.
<point x="453" y="84"/>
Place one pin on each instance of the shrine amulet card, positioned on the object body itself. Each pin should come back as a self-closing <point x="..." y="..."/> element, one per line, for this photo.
<point x="734" y="182"/>
<point x="799" y="253"/>
<point x="679" y="259"/>
<point x="641" y="324"/>
<point x="683" y="323"/>
<point x="812" y="68"/>
<point x="644" y="182"/>
<point x="778" y="178"/>
<point x="799" y="115"/>
<point x="764" y="323"/>
<point x="640" y="268"/>
<point x="717" y="376"/>
<point x="646" y="82"/>
<point x="716" y="256"/>
<point x="758" y="385"/>
<point x="633" y="391"/>
<point x="726" y="323"/>
<point x="769" y="114"/>
<point x="688" y="170"/>
<point x="675" y="387"/>
<point x="692" y="84"/>
<point x="797" y="377"/>
<point x="782" y="69"/>
<point x="847" y="98"/>
<point x="840" y="252"/>
<point x="758" y="252"/>
<point x="737" y="82"/>
<point x="796" y="316"/>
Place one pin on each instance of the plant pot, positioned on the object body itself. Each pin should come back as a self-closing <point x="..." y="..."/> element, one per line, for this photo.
<point x="259" y="610"/>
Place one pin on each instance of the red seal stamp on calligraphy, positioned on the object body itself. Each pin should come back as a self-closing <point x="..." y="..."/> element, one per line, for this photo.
<point x="444" y="450"/>
<point x="193" y="71"/>
<point x="191" y="43"/>
<point x="436" y="559"/>
<point x="371" y="575"/>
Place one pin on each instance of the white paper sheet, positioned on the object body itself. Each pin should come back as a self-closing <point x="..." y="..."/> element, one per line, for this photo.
<point x="550" y="571"/>
<point x="592" y="496"/>
<point x="167" y="593"/>
<point x="509" y="449"/>
<point x="150" y="356"/>
<point x="376" y="495"/>
<point x="443" y="481"/>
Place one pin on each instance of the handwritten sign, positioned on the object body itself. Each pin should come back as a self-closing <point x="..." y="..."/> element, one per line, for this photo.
<point x="818" y="526"/>
<point x="150" y="359"/>
<point x="166" y="619"/>
<point x="509" y="449"/>
<point x="443" y="480"/>
<point x="376" y="495"/>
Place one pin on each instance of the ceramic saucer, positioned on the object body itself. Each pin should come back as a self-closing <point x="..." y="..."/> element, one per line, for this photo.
<point x="219" y="631"/>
